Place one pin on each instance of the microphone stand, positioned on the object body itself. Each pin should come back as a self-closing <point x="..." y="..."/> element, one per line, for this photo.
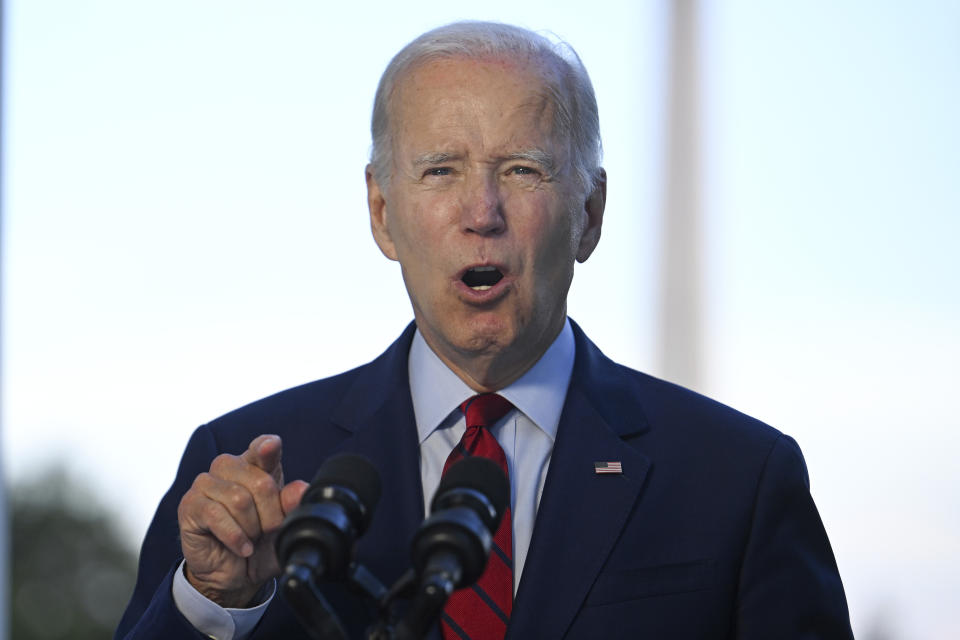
<point x="313" y="611"/>
<point x="311" y="608"/>
<point x="434" y="591"/>
<point x="429" y="599"/>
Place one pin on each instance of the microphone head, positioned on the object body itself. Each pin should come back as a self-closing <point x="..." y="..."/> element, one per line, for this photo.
<point x="349" y="471"/>
<point x="452" y="545"/>
<point x="475" y="474"/>
<point x="318" y="536"/>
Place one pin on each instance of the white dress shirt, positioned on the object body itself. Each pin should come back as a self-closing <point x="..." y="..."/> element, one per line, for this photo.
<point x="526" y="434"/>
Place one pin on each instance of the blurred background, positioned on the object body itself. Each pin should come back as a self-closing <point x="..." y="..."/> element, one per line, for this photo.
<point x="185" y="231"/>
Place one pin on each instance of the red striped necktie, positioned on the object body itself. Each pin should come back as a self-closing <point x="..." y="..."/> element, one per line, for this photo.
<point x="482" y="611"/>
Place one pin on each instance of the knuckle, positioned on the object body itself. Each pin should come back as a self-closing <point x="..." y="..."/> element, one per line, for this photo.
<point x="240" y="499"/>
<point x="222" y="462"/>
<point x="188" y="502"/>
<point x="202" y="480"/>
<point x="264" y="485"/>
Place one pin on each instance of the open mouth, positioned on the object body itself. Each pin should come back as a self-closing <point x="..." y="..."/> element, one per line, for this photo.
<point x="481" y="278"/>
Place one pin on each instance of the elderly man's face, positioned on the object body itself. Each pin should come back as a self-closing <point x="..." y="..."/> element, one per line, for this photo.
<point x="483" y="213"/>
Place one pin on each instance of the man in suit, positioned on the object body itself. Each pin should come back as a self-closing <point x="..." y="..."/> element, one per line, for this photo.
<point x="485" y="185"/>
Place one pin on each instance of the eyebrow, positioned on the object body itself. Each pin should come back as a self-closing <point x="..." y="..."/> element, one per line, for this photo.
<point x="537" y="156"/>
<point x="437" y="157"/>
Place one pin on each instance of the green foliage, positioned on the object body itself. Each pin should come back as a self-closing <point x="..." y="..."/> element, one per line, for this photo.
<point x="72" y="574"/>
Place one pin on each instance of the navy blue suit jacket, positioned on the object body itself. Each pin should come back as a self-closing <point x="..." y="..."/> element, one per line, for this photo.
<point x="710" y="531"/>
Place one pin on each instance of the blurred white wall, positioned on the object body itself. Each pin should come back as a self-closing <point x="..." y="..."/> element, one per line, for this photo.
<point x="185" y="231"/>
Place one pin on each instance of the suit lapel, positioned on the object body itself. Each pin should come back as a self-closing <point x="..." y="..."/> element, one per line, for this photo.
<point x="581" y="512"/>
<point x="378" y="413"/>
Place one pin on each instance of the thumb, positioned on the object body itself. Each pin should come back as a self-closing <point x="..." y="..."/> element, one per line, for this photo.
<point x="265" y="452"/>
<point x="292" y="494"/>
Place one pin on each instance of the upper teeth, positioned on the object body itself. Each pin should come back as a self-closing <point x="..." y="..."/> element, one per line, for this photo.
<point x="484" y="269"/>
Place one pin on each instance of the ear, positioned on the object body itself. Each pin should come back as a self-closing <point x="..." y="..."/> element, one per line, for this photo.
<point x="593" y="210"/>
<point x="377" y="204"/>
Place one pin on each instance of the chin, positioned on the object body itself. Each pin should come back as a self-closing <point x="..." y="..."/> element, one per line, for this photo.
<point x="486" y="335"/>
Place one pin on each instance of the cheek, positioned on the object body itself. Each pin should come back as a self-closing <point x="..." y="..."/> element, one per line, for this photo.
<point x="407" y="228"/>
<point x="423" y="215"/>
<point x="555" y="243"/>
<point x="417" y="233"/>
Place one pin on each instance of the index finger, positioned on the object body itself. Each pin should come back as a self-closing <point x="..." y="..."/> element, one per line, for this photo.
<point x="265" y="452"/>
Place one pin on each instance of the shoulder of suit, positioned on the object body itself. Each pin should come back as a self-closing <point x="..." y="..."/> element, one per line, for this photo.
<point x="666" y="407"/>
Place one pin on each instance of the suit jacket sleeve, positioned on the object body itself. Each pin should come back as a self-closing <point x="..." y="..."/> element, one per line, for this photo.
<point x="789" y="583"/>
<point x="152" y="612"/>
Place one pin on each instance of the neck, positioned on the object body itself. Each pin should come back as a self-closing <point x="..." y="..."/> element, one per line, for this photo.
<point x="494" y="369"/>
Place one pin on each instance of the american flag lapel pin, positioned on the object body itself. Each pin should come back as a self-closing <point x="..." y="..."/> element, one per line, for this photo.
<point x="607" y="467"/>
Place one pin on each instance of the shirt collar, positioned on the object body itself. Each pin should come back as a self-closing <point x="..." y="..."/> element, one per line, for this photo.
<point x="539" y="393"/>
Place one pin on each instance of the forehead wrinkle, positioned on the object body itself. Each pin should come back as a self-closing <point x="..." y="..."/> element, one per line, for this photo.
<point x="455" y="131"/>
<point x="458" y="117"/>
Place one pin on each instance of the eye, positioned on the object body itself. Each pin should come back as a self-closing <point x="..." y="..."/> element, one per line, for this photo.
<point x="524" y="171"/>
<point x="438" y="171"/>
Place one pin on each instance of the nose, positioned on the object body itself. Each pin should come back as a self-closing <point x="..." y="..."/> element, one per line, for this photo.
<point x="482" y="207"/>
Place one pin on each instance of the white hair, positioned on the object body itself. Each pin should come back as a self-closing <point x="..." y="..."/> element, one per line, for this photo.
<point x="576" y="116"/>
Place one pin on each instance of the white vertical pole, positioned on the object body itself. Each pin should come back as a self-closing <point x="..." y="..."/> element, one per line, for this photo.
<point x="5" y="622"/>
<point x="681" y="279"/>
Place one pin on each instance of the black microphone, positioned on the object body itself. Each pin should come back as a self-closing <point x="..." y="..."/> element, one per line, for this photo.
<point x="316" y="540"/>
<point x="451" y="548"/>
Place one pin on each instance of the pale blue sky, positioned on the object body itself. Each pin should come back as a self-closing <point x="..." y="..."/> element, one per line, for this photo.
<point x="185" y="231"/>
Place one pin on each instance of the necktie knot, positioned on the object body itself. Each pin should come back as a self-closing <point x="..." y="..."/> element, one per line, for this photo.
<point x="485" y="409"/>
